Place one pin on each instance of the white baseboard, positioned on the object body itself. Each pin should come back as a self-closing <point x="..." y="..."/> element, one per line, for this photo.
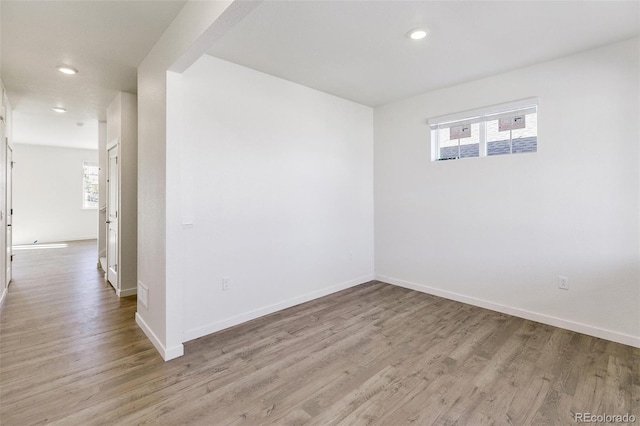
<point x="613" y="336"/>
<point x="266" y="310"/>
<point x="127" y="292"/>
<point x="3" y="295"/>
<point x="56" y="240"/>
<point x="166" y="353"/>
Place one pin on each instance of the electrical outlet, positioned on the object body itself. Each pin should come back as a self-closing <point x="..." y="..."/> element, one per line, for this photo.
<point x="226" y="283"/>
<point x="563" y="283"/>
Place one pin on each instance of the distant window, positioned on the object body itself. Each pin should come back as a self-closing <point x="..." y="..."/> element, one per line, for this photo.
<point x="89" y="185"/>
<point x="501" y="129"/>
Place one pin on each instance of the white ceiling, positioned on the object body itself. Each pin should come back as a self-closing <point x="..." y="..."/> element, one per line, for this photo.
<point x="358" y="49"/>
<point x="104" y="40"/>
<point x="355" y="50"/>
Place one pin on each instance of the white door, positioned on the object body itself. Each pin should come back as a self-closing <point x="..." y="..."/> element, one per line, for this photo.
<point x="9" y="214"/>
<point x="112" y="216"/>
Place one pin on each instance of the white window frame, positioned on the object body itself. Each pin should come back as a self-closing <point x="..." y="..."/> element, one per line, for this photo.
<point x="88" y="164"/>
<point x="481" y="116"/>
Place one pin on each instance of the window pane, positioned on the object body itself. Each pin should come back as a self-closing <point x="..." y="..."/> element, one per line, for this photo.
<point x="498" y="143"/>
<point x="463" y="147"/>
<point x="90" y="186"/>
<point x="448" y="147"/>
<point x="526" y="139"/>
<point x="470" y="147"/>
<point x="517" y="140"/>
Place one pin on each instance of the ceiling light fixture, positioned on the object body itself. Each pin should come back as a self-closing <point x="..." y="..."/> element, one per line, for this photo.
<point x="67" y="70"/>
<point x="59" y="109"/>
<point x="417" y="33"/>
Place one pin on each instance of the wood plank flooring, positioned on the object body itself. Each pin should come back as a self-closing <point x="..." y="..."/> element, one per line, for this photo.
<point x="71" y="354"/>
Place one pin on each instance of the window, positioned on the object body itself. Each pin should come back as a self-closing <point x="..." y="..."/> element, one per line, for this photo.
<point x="502" y="129"/>
<point x="89" y="185"/>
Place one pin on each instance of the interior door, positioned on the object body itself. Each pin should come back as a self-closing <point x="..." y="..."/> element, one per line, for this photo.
<point x="112" y="216"/>
<point x="9" y="214"/>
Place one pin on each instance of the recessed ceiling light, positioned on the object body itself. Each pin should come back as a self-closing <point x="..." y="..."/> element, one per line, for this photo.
<point x="67" y="70"/>
<point x="417" y="33"/>
<point x="59" y="109"/>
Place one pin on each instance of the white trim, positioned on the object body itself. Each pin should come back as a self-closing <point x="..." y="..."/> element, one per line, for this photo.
<point x="3" y="295"/>
<point x="480" y="112"/>
<point x="266" y="310"/>
<point x="166" y="353"/>
<point x="129" y="292"/>
<point x="590" y="330"/>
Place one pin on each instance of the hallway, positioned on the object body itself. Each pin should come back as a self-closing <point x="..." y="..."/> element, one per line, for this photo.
<point x="62" y="325"/>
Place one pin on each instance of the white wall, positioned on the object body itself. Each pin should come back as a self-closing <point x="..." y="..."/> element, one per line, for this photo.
<point x="498" y="231"/>
<point x="5" y="135"/>
<point x="278" y="183"/>
<point x="47" y="195"/>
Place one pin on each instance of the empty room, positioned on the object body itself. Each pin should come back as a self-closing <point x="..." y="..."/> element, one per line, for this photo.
<point x="320" y="212"/>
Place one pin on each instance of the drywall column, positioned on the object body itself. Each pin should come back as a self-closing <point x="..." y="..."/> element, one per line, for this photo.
<point x="122" y="126"/>
<point x="184" y="41"/>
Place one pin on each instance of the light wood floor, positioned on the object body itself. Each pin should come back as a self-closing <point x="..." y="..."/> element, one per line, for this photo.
<point x="71" y="353"/>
